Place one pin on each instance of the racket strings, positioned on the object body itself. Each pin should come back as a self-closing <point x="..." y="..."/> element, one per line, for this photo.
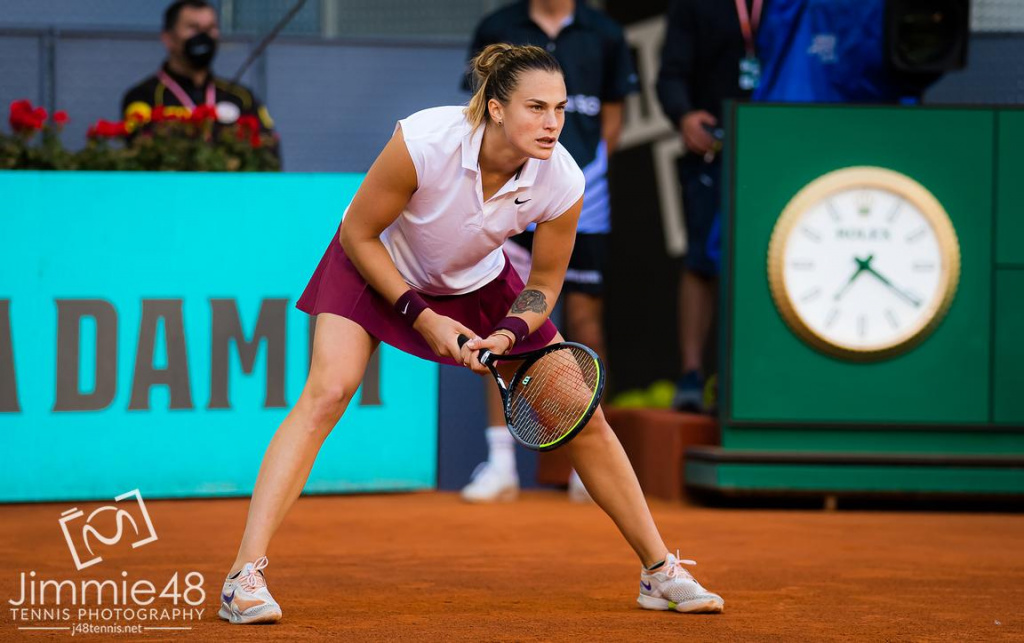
<point x="553" y="395"/>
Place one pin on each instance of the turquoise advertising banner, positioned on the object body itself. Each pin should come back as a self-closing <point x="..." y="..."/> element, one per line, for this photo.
<point x="149" y="339"/>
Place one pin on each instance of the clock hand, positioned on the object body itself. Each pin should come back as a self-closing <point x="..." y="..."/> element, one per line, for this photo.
<point x="913" y="301"/>
<point x="861" y="267"/>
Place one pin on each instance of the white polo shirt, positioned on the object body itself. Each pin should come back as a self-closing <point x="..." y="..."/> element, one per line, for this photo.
<point x="447" y="240"/>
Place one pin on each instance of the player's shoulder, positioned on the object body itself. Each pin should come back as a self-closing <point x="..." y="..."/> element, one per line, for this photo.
<point x="563" y="166"/>
<point x="434" y="133"/>
<point x="434" y="121"/>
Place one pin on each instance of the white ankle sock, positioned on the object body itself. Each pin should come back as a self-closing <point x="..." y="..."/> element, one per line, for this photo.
<point x="574" y="479"/>
<point x="501" y="449"/>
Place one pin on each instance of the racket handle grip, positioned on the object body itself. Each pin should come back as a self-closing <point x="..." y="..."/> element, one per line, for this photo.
<point x="484" y="356"/>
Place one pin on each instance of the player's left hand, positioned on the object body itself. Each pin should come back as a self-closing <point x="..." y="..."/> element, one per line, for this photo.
<point x="499" y="344"/>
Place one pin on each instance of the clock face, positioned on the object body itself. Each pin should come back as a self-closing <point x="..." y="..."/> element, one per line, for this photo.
<point x="863" y="263"/>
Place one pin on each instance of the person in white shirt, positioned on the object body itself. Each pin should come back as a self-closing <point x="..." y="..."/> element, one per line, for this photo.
<point x="417" y="262"/>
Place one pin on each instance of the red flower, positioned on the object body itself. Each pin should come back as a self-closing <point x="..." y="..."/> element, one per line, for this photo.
<point x="255" y="141"/>
<point x="249" y="123"/>
<point x="162" y="115"/>
<point x="107" y="129"/>
<point x="21" y="106"/>
<point x="204" y="113"/>
<point x="22" y="122"/>
<point x="60" y="118"/>
<point x="25" y="118"/>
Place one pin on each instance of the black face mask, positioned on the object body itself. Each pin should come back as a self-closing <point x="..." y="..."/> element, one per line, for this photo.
<point x="200" y="50"/>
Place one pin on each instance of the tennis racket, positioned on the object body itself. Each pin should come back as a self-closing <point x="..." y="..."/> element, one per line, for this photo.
<point x="552" y="393"/>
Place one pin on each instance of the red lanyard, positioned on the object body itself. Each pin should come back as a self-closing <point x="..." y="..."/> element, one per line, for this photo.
<point x="749" y="23"/>
<point x="185" y="99"/>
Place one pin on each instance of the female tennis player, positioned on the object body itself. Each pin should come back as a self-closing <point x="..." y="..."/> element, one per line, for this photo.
<point x="417" y="262"/>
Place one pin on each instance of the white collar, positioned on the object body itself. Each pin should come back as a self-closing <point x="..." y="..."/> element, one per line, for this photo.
<point x="471" y="159"/>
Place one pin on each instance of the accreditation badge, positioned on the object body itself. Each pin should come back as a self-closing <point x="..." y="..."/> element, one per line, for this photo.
<point x="750" y="73"/>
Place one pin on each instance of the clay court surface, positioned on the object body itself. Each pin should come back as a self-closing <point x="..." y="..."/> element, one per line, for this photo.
<point x="427" y="567"/>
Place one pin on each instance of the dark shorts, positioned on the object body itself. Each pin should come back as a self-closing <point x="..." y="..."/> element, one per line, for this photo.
<point x="588" y="263"/>
<point x="701" y="183"/>
<point x="336" y="287"/>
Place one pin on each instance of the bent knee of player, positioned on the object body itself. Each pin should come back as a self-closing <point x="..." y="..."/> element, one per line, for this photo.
<point x="326" y="401"/>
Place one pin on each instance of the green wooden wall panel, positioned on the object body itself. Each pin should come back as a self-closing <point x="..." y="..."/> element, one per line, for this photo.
<point x="1008" y="385"/>
<point x="975" y="442"/>
<point x="869" y="478"/>
<point x="777" y="377"/>
<point x="1010" y="189"/>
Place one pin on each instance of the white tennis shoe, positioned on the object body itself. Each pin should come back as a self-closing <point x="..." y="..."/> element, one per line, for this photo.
<point x="672" y="587"/>
<point x="245" y="598"/>
<point x="492" y="484"/>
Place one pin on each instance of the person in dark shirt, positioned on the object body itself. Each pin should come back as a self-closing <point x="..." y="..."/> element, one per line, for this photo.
<point x="592" y="50"/>
<point x="185" y="80"/>
<point x="708" y="58"/>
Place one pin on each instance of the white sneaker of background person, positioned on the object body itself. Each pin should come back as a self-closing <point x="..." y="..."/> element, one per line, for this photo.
<point x="495" y="480"/>
<point x="492" y="484"/>
<point x="245" y="598"/>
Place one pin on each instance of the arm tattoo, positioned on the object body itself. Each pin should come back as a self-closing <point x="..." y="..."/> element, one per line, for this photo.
<point x="532" y="301"/>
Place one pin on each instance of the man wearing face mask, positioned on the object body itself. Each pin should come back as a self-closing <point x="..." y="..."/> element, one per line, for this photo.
<point x="185" y="80"/>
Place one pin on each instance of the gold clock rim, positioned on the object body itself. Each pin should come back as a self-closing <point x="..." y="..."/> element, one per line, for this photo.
<point x="865" y="177"/>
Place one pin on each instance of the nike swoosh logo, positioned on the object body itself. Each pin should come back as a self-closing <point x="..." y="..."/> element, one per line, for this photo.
<point x="518" y="202"/>
<point x="406" y="309"/>
<point x="227" y="598"/>
<point x="242" y="605"/>
<point x="646" y="586"/>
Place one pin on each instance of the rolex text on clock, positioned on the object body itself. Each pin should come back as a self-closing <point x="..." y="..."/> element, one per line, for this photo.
<point x="863" y="263"/>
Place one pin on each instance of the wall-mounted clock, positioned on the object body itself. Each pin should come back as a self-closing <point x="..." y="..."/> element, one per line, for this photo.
<point x="863" y="263"/>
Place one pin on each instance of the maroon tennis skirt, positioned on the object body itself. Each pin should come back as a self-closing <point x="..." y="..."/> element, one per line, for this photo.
<point x="336" y="287"/>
